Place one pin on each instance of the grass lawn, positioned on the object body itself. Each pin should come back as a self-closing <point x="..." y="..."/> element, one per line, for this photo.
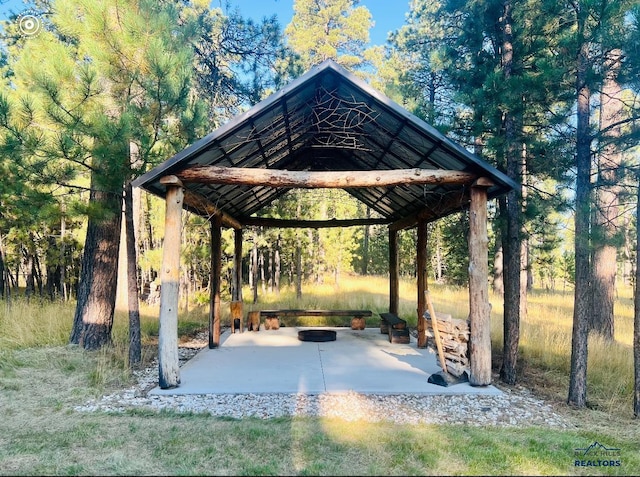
<point x="42" y="379"/>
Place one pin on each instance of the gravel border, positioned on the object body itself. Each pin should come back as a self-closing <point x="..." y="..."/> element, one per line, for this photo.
<point x="515" y="407"/>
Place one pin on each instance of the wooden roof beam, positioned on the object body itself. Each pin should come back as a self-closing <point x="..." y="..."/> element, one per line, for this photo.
<point x="311" y="224"/>
<point x="321" y="179"/>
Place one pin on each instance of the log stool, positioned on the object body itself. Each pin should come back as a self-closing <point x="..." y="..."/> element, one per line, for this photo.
<point x="253" y="321"/>
<point x="358" y="323"/>
<point x="272" y="322"/>
<point x="399" y="336"/>
<point x="236" y="316"/>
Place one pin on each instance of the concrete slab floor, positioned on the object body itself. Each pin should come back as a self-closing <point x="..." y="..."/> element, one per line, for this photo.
<point x="276" y="361"/>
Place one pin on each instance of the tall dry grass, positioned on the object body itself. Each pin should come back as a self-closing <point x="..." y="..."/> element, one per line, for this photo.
<point x="545" y="334"/>
<point x="39" y="323"/>
<point x="545" y="345"/>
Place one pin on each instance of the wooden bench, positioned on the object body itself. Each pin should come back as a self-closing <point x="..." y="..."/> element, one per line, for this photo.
<point x="272" y="317"/>
<point x="395" y="327"/>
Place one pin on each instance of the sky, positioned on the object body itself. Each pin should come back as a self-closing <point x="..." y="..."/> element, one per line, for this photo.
<point x="388" y="15"/>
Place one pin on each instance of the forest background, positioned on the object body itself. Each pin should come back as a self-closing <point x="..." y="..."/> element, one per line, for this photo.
<point x="96" y="93"/>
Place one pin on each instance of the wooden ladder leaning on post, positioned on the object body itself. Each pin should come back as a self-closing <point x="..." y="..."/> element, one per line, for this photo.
<point x="436" y="331"/>
<point x="444" y="377"/>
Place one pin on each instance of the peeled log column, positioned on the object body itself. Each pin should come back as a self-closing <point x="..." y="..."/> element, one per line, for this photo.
<point x="479" y="306"/>
<point x="237" y="264"/>
<point x="421" y="265"/>
<point x="168" y="363"/>
<point x="216" y="267"/>
<point x="394" y="278"/>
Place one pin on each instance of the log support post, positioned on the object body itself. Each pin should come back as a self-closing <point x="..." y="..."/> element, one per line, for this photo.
<point x="421" y="271"/>
<point x="394" y="275"/>
<point x="237" y="263"/>
<point x="236" y="290"/>
<point x="216" y="267"/>
<point x="479" y="306"/>
<point x="168" y="362"/>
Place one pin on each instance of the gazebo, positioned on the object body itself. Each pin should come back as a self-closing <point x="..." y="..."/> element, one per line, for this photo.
<point x="326" y="129"/>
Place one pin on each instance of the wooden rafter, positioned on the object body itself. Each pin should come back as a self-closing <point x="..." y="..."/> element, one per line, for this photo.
<point x="452" y="201"/>
<point x="202" y="204"/>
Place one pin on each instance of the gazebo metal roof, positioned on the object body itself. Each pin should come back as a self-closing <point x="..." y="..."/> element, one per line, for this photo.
<point x="329" y="120"/>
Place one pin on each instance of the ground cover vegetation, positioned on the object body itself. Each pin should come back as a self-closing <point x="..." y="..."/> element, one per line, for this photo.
<point x="95" y="93"/>
<point x="42" y="378"/>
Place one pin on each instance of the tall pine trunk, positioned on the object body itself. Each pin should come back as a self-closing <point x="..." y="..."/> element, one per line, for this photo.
<point x="365" y="245"/>
<point x="135" y="344"/>
<point x="581" y="308"/>
<point x="298" y="259"/>
<point x="254" y="268"/>
<point x="636" y="314"/>
<point x="4" y="272"/>
<point x="276" y="272"/>
<point x="606" y="210"/>
<point x="511" y="244"/>
<point x="93" y="319"/>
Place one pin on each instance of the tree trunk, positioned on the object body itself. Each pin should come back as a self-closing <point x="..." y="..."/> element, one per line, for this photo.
<point x="579" y="344"/>
<point x="270" y="269"/>
<point x="276" y="273"/>
<point x="606" y="210"/>
<point x="63" y="261"/>
<point x="29" y="269"/>
<point x="37" y="271"/>
<point x="636" y="315"/>
<point x="438" y="269"/>
<point x="263" y="281"/>
<point x="93" y="317"/>
<point x="365" y="245"/>
<point x="4" y="282"/>
<point x="135" y="343"/>
<point x="298" y="269"/>
<point x="254" y="268"/>
<point x="237" y="265"/>
<point x="497" y="282"/>
<point x="511" y="243"/>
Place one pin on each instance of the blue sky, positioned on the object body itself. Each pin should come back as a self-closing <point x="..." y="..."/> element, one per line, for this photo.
<point x="388" y="15"/>
<point x="8" y="6"/>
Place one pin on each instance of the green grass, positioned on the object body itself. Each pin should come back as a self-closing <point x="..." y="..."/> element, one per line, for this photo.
<point x="42" y="379"/>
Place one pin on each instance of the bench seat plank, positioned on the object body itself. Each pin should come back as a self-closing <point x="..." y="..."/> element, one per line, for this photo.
<point x="316" y="313"/>
<point x="357" y="316"/>
<point x="392" y="319"/>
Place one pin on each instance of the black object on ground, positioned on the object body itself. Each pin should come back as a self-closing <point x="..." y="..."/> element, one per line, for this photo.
<point x="442" y="378"/>
<point x="317" y="335"/>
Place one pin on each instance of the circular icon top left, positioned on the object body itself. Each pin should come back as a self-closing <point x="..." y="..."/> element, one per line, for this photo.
<point x="29" y="23"/>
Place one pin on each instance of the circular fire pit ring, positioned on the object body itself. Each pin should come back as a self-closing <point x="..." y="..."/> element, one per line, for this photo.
<point x="317" y="335"/>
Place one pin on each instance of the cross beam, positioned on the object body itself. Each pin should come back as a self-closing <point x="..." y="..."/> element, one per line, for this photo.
<point x="321" y="179"/>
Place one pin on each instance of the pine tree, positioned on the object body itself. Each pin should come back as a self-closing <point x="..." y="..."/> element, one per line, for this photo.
<point x="323" y="29"/>
<point x="95" y="91"/>
<point x="592" y="45"/>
